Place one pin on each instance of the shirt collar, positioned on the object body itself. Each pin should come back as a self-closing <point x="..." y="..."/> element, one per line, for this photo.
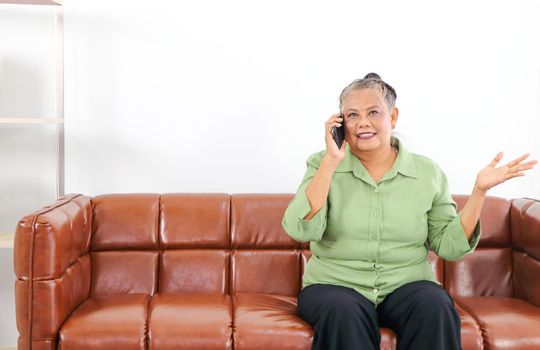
<point x="404" y="163"/>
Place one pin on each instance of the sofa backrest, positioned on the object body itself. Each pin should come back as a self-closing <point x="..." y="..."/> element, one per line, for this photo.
<point x="488" y="271"/>
<point x="525" y="224"/>
<point x="264" y="259"/>
<point x="170" y="243"/>
<point x="221" y="243"/>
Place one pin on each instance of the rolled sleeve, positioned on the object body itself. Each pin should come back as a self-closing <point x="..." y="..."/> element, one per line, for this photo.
<point x="452" y="243"/>
<point x="446" y="236"/>
<point x="293" y="220"/>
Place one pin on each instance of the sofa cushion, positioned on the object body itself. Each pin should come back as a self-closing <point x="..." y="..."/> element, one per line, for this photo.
<point x="525" y="220"/>
<point x="110" y="322"/>
<point x="471" y="336"/>
<point x="194" y="220"/>
<point x="194" y="271"/>
<point x="269" y="321"/>
<point x="506" y="323"/>
<point x="526" y="277"/>
<point x="125" y="221"/>
<point x="495" y="219"/>
<point x="268" y="271"/>
<point x="190" y="321"/>
<point x="487" y="272"/>
<point x="123" y="272"/>
<point x="526" y="256"/>
<point x="388" y="339"/>
<point x="256" y="222"/>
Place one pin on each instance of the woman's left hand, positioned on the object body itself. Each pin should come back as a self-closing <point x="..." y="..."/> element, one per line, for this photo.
<point x="491" y="176"/>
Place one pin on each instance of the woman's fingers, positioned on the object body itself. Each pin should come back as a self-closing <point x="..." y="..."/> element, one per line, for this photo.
<point x="525" y="166"/>
<point x="518" y="160"/>
<point x="496" y="160"/>
<point x="335" y="119"/>
<point x="514" y="165"/>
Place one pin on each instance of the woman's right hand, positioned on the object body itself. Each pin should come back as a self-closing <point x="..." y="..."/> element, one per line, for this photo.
<point x="334" y="153"/>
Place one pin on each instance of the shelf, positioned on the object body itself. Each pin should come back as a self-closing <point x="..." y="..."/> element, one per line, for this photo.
<point x="32" y="2"/>
<point x="27" y="125"/>
<point x="7" y="240"/>
<point x="30" y="120"/>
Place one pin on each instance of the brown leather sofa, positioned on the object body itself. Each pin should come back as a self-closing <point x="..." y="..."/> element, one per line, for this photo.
<point x="217" y="271"/>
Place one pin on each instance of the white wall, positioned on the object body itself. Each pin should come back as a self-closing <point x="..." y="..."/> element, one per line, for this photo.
<point x="213" y="96"/>
<point x="232" y="96"/>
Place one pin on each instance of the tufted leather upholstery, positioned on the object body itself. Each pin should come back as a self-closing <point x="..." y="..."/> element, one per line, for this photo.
<point x="217" y="271"/>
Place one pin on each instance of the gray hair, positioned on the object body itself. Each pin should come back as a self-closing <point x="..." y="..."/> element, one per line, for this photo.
<point x="371" y="81"/>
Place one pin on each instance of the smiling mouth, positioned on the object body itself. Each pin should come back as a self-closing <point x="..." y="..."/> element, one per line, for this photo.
<point x="365" y="135"/>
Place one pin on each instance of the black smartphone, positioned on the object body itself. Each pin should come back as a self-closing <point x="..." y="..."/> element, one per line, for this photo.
<point x="339" y="133"/>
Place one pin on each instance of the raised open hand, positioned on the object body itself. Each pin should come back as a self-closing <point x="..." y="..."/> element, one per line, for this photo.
<point x="491" y="176"/>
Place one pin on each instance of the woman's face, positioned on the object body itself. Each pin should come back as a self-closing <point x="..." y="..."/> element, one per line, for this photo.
<point x="368" y="122"/>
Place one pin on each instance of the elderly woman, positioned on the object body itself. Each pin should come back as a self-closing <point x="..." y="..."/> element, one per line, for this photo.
<point x="371" y="210"/>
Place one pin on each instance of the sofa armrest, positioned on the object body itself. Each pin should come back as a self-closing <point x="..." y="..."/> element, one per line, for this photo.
<point x="525" y="228"/>
<point x="52" y="266"/>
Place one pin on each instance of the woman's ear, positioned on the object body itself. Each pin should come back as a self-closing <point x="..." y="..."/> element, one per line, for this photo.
<point x="394" y="117"/>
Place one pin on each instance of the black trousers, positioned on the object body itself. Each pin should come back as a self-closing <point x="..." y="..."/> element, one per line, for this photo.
<point x="421" y="313"/>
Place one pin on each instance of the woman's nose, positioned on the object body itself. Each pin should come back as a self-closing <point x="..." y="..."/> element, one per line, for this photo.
<point x="363" y="121"/>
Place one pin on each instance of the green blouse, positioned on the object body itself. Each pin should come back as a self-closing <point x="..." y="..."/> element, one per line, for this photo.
<point x="374" y="237"/>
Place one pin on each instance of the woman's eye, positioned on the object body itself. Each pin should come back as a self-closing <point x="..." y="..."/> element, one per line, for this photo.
<point x="352" y="116"/>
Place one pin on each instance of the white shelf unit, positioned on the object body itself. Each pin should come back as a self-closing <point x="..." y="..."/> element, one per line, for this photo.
<point x="6" y="239"/>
